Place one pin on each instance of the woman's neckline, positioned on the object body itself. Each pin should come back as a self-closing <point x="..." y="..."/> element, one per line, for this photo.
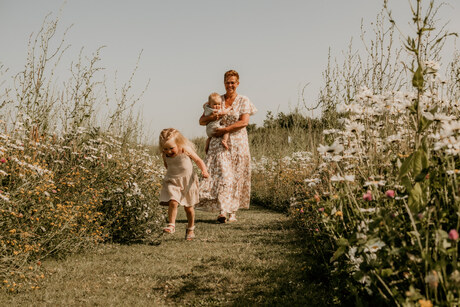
<point x="234" y="99"/>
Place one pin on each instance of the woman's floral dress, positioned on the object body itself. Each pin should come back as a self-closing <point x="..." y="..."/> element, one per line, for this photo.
<point x="228" y="186"/>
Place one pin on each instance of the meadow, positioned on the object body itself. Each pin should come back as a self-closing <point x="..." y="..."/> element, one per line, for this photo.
<point x="369" y="192"/>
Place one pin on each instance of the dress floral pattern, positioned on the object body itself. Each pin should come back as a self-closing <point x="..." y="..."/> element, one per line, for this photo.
<point x="228" y="187"/>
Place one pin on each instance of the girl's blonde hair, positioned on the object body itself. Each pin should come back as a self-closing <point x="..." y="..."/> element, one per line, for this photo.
<point x="181" y="141"/>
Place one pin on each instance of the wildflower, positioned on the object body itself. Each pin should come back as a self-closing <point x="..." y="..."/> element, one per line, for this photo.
<point x="355" y="127"/>
<point x="301" y="210"/>
<point x="374" y="245"/>
<point x="367" y="210"/>
<point x="367" y="196"/>
<point x="3" y="160"/>
<point x="390" y="193"/>
<point x="335" y="148"/>
<point x="425" y="303"/>
<point x="316" y="197"/>
<point x="453" y="235"/>
<point x="339" y="213"/>
<point x="432" y="279"/>
<point x="321" y="209"/>
<point x="375" y="183"/>
<point x="455" y="277"/>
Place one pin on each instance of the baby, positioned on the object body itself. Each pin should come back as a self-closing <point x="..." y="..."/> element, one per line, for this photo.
<point x="215" y="105"/>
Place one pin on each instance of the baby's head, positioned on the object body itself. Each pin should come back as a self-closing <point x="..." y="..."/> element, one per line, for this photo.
<point x="215" y="101"/>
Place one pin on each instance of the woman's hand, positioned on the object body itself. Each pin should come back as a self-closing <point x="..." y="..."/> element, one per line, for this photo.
<point x="220" y="131"/>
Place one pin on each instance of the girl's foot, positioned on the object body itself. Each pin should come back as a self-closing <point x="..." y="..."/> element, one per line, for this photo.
<point x="221" y="218"/>
<point x="232" y="218"/>
<point x="190" y="233"/>
<point x="171" y="228"/>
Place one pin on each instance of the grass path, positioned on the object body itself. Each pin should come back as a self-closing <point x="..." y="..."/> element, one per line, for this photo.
<point x="258" y="260"/>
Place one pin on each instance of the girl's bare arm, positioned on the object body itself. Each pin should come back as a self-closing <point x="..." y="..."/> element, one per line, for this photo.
<point x="199" y="162"/>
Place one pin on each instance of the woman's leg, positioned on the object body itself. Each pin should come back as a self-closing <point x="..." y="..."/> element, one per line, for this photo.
<point x="232" y="217"/>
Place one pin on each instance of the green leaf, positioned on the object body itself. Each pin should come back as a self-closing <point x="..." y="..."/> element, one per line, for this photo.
<point x="386" y="272"/>
<point x="405" y="181"/>
<point x="422" y="175"/>
<point x="342" y="242"/>
<point x="418" y="161"/>
<point x="417" y="80"/>
<point x="339" y="252"/>
<point x="424" y="124"/>
<point x="415" y="196"/>
<point x="405" y="166"/>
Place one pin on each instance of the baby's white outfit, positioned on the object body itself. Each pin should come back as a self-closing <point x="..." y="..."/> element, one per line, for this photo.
<point x="211" y="126"/>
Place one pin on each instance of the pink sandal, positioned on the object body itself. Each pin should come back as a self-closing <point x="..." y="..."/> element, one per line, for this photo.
<point x="171" y="228"/>
<point x="190" y="233"/>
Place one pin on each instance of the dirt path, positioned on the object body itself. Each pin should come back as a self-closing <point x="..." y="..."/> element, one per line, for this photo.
<point x="258" y="260"/>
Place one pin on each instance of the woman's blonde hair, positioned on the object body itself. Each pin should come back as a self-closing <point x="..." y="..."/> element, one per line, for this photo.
<point x="181" y="141"/>
<point x="232" y="73"/>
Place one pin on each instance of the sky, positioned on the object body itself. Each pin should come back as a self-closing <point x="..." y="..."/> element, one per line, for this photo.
<point x="277" y="46"/>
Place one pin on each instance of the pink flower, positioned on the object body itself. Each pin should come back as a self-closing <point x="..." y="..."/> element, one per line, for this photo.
<point x="453" y="235"/>
<point x="3" y="160"/>
<point x="367" y="196"/>
<point x="321" y="209"/>
<point x="390" y="194"/>
<point x="54" y="191"/>
<point x="316" y="229"/>
<point x="301" y="210"/>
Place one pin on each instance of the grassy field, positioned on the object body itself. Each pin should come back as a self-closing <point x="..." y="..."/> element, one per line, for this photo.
<point x="259" y="260"/>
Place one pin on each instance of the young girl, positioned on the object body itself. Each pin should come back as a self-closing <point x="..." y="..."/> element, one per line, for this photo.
<point x="180" y="184"/>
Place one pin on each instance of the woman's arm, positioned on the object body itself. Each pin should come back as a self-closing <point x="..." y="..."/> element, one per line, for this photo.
<point x="198" y="161"/>
<point x="204" y="120"/>
<point x="240" y="124"/>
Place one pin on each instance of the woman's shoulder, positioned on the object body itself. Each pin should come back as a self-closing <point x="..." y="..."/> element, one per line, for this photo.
<point x="246" y="106"/>
<point x="243" y="98"/>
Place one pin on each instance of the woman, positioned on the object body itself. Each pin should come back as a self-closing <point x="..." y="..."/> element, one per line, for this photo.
<point x="228" y="187"/>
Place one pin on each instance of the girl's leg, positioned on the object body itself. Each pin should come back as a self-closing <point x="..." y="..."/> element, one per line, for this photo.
<point x="172" y="213"/>
<point x="190" y="231"/>
<point x="190" y="211"/>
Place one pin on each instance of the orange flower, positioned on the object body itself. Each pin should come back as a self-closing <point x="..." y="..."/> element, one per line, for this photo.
<point x="425" y="303"/>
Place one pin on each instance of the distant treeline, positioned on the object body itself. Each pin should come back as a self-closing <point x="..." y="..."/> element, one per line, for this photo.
<point x="288" y="121"/>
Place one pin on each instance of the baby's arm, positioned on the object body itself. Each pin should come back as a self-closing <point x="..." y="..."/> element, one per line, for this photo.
<point x="199" y="162"/>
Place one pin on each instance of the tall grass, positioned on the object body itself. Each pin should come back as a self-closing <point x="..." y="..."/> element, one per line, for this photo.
<point x="378" y="198"/>
<point x="70" y="177"/>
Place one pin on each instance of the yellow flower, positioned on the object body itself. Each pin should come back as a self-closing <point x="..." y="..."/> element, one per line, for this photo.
<point x="339" y="213"/>
<point x="425" y="303"/>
